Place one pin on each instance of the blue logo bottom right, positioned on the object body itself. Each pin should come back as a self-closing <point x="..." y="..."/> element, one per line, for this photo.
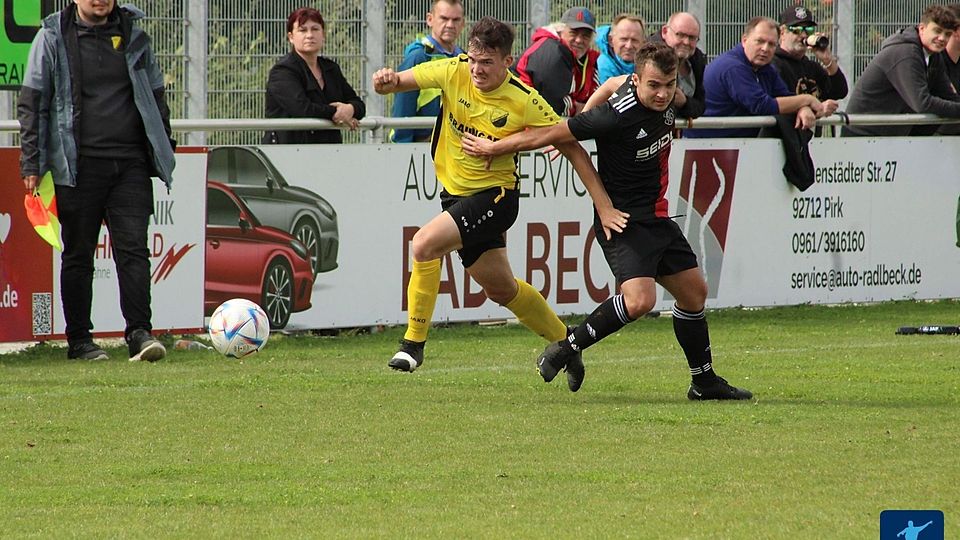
<point x="911" y="525"/>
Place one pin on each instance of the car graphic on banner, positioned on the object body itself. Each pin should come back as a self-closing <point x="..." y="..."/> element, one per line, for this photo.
<point x="247" y="259"/>
<point x="299" y="211"/>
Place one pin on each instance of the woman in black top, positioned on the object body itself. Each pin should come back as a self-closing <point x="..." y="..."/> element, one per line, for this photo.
<point x="304" y="84"/>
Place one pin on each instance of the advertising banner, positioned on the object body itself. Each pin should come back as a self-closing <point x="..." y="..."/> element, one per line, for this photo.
<point x="320" y="235"/>
<point x="30" y="306"/>
<point x="21" y="21"/>
<point x="880" y="222"/>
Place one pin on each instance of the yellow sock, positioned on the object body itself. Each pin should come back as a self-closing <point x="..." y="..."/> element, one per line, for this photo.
<point x="534" y="312"/>
<point x="421" y="298"/>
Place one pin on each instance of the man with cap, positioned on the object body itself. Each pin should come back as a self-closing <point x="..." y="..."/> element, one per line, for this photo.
<point x="560" y="63"/>
<point x="798" y="35"/>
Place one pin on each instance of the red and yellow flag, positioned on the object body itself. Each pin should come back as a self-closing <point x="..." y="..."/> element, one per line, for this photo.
<point x="41" y="208"/>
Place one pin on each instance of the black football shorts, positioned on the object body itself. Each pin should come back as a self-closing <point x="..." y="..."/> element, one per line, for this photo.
<point x="646" y="249"/>
<point x="483" y="219"/>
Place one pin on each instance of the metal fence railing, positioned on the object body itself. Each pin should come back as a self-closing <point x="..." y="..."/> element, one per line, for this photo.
<point x="382" y="123"/>
<point x="216" y="53"/>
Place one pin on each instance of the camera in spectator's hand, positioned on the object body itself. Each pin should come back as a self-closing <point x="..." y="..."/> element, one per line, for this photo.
<point x="818" y="41"/>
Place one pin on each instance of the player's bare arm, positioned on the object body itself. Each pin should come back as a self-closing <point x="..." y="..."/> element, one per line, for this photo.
<point x="610" y="218"/>
<point x="388" y="81"/>
<point x="530" y="139"/>
<point x="605" y="91"/>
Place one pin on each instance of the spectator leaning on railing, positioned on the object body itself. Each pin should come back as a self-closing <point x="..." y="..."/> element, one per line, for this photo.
<point x="741" y="82"/>
<point x="951" y="59"/>
<point x="304" y="84"/>
<point x="908" y="75"/>
<point x="951" y="52"/>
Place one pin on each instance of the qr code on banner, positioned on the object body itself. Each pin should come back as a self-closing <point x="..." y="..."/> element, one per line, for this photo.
<point x="42" y="311"/>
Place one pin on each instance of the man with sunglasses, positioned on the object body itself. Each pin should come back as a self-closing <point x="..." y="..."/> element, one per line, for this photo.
<point x="822" y="78"/>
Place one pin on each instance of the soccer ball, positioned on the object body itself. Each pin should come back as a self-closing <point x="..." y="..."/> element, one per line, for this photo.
<point x="239" y="328"/>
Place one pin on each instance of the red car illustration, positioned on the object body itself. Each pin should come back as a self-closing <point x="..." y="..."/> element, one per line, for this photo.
<point x="246" y="259"/>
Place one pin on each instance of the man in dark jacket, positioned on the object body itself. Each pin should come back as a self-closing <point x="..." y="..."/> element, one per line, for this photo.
<point x="681" y="33"/>
<point x="741" y="82"/>
<point x="951" y="52"/>
<point x="907" y="76"/>
<point x="560" y="63"/>
<point x="822" y="79"/>
<point x="93" y="115"/>
<point x="951" y="59"/>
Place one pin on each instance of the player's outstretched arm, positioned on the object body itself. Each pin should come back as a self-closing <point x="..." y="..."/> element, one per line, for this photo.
<point x="530" y="139"/>
<point x="387" y="81"/>
<point x="610" y="218"/>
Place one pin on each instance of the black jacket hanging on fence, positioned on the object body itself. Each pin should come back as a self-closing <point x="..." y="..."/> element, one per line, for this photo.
<point x="798" y="169"/>
<point x="293" y="92"/>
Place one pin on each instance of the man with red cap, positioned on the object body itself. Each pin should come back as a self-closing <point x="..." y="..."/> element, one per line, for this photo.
<point x="560" y="63"/>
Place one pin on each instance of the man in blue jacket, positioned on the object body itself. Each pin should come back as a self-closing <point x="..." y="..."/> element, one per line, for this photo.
<point x="92" y="114"/>
<point x="742" y="82"/>
<point x="618" y="44"/>
<point x="446" y="23"/>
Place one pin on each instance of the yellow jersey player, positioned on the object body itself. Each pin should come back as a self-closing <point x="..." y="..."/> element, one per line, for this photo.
<point x="481" y="97"/>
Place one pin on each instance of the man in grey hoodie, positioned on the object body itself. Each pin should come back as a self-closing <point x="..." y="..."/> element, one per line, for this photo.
<point x="93" y="115"/>
<point x="908" y="76"/>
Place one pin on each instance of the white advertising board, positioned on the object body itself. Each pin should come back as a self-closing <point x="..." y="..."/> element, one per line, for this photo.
<point x="879" y="224"/>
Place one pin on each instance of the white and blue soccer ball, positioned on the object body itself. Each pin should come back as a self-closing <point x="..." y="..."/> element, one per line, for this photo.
<point x="239" y="328"/>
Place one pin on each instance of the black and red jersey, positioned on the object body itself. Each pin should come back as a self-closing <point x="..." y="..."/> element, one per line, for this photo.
<point x="633" y="151"/>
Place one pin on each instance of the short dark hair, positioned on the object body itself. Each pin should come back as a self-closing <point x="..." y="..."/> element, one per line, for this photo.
<point x="489" y="34"/>
<point x="433" y="5"/>
<point x="658" y="53"/>
<point x="757" y="21"/>
<point x="942" y="16"/>
<point x="302" y="15"/>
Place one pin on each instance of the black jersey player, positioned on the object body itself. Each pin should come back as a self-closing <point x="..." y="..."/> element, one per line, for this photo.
<point x="633" y="132"/>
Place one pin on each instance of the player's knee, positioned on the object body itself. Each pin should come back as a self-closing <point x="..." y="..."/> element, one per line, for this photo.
<point x="638" y="305"/>
<point x="502" y="294"/>
<point x="421" y="249"/>
<point x="694" y="298"/>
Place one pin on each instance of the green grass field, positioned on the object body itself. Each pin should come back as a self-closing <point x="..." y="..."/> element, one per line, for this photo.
<point x="315" y="437"/>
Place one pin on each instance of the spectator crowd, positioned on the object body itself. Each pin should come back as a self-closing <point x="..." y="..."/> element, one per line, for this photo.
<point x="781" y="66"/>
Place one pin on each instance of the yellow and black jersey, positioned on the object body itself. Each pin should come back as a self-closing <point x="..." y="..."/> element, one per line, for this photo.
<point x="508" y="109"/>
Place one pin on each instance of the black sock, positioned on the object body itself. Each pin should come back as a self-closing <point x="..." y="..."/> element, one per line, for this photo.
<point x="609" y="317"/>
<point x="694" y="338"/>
